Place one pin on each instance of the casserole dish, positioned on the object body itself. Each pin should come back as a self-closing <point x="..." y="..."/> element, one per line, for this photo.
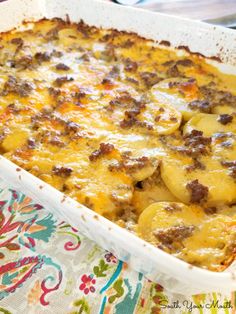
<point x="155" y="264"/>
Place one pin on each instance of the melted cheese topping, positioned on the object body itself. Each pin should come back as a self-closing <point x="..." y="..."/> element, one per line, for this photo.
<point x="129" y="129"/>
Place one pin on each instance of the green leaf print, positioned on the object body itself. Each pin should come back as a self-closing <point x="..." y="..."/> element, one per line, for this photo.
<point x="83" y="307"/>
<point x="100" y="270"/>
<point x="119" y="291"/>
<point x="4" y="311"/>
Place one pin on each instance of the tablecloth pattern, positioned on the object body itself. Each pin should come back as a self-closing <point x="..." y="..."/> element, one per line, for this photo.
<point x="47" y="266"/>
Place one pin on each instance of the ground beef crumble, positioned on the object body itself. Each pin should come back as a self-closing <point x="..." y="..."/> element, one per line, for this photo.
<point x="17" y="41"/>
<point x="42" y="56"/>
<point x="130" y="66"/>
<point x="197" y="143"/>
<point x="130" y="164"/>
<point x="225" y="119"/>
<point x="173" y="234"/>
<point x="62" y="67"/>
<point x="62" y="171"/>
<point x="210" y="210"/>
<point x="200" y="105"/>
<point x="196" y="165"/>
<point x="20" y="87"/>
<point x="149" y="78"/>
<point x="231" y="165"/>
<point x="198" y="192"/>
<point x="104" y="149"/>
<point x="62" y="80"/>
<point x="217" y="97"/>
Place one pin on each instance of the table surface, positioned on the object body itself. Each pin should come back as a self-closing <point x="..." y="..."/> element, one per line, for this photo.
<point x="200" y="9"/>
<point x="216" y="11"/>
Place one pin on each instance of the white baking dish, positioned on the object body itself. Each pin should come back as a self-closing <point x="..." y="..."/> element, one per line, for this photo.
<point x="174" y="274"/>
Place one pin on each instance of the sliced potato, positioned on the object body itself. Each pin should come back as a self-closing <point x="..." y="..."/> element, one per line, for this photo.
<point x="190" y="234"/>
<point x="177" y="92"/>
<point x="215" y="177"/>
<point x="163" y="215"/>
<point x="223" y="109"/>
<point x="211" y="246"/>
<point x="209" y="124"/>
<point x="163" y="118"/>
<point x="156" y="193"/>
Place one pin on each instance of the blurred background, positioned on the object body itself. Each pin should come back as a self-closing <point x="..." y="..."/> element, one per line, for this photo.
<point x="221" y="12"/>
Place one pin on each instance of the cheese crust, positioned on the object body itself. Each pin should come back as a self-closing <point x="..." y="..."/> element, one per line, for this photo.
<point x="142" y="134"/>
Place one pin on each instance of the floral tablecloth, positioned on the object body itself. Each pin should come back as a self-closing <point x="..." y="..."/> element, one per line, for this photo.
<point x="47" y="266"/>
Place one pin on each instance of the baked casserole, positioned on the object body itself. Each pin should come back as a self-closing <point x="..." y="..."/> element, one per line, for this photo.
<point x="142" y="134"/>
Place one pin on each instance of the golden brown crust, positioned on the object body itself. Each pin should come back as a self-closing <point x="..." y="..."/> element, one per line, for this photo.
<point x="100" y="113"/>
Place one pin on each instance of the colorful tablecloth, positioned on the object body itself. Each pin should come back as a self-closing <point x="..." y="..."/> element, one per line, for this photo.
<point x="47" y="266"/>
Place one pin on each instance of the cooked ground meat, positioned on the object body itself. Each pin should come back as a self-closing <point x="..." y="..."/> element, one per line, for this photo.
<point x="185" y="62"/>
<point x="225" y="119"/>
<point x="197" y="143"/>
<point x="198" y="192"/>
<point x="132" y="80"/>
<point x="196" y="165"/>
<point x="16" y="86"/>
<point x="183" y="85"/>
<point x="31" y="143"/>
<point x="62" y="171"/>
<point x="56" y="141"/>
<point x="200" y="105"/>
<point x="12" y="108"/>
<point x="42" y="56"/>
<point x="57" y="53"/>
<point x="107" y="81"/>
<point x="231" y="165"/>
<point x="62" y="67"/>
<point x="25" y="62"/>
<point x="173" y="71"/>
<point x="104" y="149"/>
<point x="210" y="210"/>
<point x="109" y="53"/>
<point x="127" y="44"/>
<point x="150" y="78"/>
<point x="17" y="41"/>
<point x="131" y="116"/>
<point x="85" y="29"/>
<point x="217" y="97"/>
<point x="124" y="100"/>
<point x="55" y="92"/>
<point x="173" y="234"/>
<point x="130" y="66"/>
<point x="72" y="127"/>
<point x="62" y="80"/>
<point x="114" y="73"/>
<point x="52" y="34"/>
<point x="129" y="164"/>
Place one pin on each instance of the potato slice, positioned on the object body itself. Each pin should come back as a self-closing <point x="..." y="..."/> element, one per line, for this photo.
<point x="215" y="177"/>
<point x="209" y="124"/>
<point x="162" y="118"/>
<point x="188" y="233"/>
<point x="177" y="92"/>
<point x="211" y="246"/>
<point x="155" y="118"/>
<point x="223" y="109"/>
<point x="163" y="215"/>
<point x="156" y="193"/>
